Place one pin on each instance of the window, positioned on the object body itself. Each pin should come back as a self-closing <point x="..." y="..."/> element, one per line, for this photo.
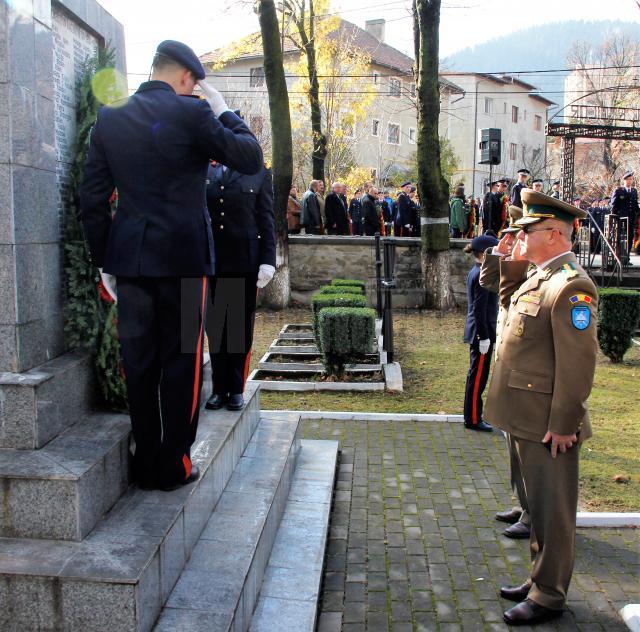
<point x="395" y="87"/>
<point x="375" y="127"/>
<point x="537" y="123"/>
<point x="488" y="106"/>
<point x="513" y="150"/>
<point x="535" y="154"/>
<point x="514" y="113"/>
<point x="376" y="78"/>
<point x="412" y="135"/>
<point x="412" y="90"/>
<point x="256" y="77"/>
<point x="256" y="125"/>
<point x="524" y="153"/>
<point x="393" y="134"/>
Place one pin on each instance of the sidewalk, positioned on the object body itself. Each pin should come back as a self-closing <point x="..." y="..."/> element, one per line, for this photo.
<point x="414" y="545"/>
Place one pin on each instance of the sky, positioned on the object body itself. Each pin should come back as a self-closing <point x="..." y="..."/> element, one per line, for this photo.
<point x="209" y="24"/>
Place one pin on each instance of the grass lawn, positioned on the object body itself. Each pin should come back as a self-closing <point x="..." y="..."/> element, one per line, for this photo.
<point x="434" y="363"/>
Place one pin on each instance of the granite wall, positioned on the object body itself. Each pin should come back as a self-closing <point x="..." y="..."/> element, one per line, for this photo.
<point x="33" y="123"/>
<point x="315" y="260"/>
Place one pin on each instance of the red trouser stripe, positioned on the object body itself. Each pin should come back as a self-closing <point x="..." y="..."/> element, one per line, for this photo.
<point x="476" y="388"/>
<point x="196" y="381"/>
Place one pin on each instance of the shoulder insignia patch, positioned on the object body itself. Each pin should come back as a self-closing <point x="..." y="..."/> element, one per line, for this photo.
<point x="580" y="298"/>
<point x="580" y="317"/>
<point x="570" y="270"/>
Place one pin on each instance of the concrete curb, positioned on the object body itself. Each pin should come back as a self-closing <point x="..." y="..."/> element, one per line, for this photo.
<point x="584" y="519"/>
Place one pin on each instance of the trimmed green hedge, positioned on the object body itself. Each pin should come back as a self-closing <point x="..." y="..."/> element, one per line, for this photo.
<point x="321" y="301"/>
<point x="618" y="316"/>
<point x="342" y="289"/>
<point x="346" y="334"/>
<point x="349" y="282"/>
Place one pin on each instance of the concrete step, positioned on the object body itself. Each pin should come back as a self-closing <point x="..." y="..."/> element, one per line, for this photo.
<point x="37" y="405"/>
<point x="61" y="491"/>
<point x="219" y="587"/>
<point x="120" y="575"/>
<point x="291" y="587"/>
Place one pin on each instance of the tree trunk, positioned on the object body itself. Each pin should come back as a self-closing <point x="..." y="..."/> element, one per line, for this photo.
<point x="278" y="293"/>
<point x="432" y="187"/>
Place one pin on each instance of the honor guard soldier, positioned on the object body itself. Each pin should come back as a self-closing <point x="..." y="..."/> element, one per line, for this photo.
<point x="624" y="203"/>
<point x="243" y="223"/>
<point x="514" y="198"/>
<point x="518" y="517"/>
<point x="405" y="214"/>
<point x="536" y="185"/>
<point x="479" y="334"/>
<point x="545" y="363"/>
<point x="155" y="149"/>
<point x="555" y="190"/>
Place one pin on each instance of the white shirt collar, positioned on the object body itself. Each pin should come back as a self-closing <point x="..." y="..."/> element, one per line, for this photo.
<point x="546" y="264"/>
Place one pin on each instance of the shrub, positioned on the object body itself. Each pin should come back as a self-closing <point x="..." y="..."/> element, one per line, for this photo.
<point x="320" y="301"/>
<point x="342" y="289"/>
<point x="618" y="316"/>
<point x="346" y="334"/>
<point x="349" y="282"/>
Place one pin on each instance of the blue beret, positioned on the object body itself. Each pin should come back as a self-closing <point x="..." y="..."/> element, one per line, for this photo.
<point x="183" y="55"/>
<point x="481" y="243"/>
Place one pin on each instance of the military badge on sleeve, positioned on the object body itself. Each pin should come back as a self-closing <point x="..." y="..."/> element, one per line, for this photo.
<point x="580" y="314"/>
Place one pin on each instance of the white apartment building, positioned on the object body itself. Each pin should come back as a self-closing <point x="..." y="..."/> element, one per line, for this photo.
<point x="501" y="102"/>
<point x="384" y="143"/>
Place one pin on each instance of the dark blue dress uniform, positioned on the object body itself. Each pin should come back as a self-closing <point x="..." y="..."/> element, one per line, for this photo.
<point x="405" y="215"/>
<point x="155" y="149"/>
<point x="482" y="317"/>
<point x="355" y="212"/>
<point x="624" y="203"/>
<point x="243" y="223"/>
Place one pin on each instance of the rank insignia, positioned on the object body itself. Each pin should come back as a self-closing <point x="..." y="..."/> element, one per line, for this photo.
<point x="581" y="298"/>
<point x="570" y="269"/>
<point x="580" y="317"/>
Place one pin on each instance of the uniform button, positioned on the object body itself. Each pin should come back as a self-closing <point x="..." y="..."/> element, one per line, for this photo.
<point x="221" y="214"/>
<point x="221" y="188"/>
<point x="221" y="227"/>
<point x="250" y="190"/>
<point x="221" y="201"/>
<point x="529" y="385"/>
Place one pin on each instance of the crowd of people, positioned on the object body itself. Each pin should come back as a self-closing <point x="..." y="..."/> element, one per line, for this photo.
<point x="369" y="211"/>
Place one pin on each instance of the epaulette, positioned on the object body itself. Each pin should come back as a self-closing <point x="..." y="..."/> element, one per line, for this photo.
<point x="570" y="270"/>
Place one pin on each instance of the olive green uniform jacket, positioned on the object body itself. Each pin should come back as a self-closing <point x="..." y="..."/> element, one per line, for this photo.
<point x="544" y="363"/>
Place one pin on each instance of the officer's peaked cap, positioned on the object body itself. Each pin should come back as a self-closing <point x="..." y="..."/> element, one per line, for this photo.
<point x="183" y="55"/>
<point x="628" y="174"/>
<point x="515" y="213"/>
<point x="538" y="206"/>
<point x="525" y="172"/>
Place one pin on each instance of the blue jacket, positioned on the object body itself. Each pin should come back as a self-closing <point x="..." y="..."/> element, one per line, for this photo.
<point x="482" y="313"/>
<point x="155" y="149"/>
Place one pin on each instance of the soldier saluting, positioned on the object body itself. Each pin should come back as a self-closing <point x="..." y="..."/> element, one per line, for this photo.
<point x="155" y="149"/>
<point x="542" y="379"/>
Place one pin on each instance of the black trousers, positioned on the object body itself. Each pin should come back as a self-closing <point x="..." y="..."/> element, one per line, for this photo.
<point x="162" y="357"/>
<point x="229" y="325"/>
<point x="479" y="366"/>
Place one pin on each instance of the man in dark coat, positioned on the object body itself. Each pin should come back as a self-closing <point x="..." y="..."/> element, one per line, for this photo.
<point x="516" y="191"/>
<point x="243" y="224"/>
<point x="370" y="215"/>
<point x="492" y="210"/>
<point x="405" y="215"/>
<point x="624" y="203"/>
<point x="479" y="334"/>
<point x="311" y="217"/>
<point x="155" y="149"/>
<point x="335" y="209"/>
<point x="355" y="213"/>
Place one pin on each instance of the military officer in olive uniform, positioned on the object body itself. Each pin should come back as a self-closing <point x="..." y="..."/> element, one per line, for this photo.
<point x="545" y="363"/>
<point x="155" y="149"/>
<point x="517" y="518"/>
<point x="242" y="220"/>
<point x="624" y="203"/>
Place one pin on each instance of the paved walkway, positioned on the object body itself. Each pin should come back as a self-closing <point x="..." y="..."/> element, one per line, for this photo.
<point x="414" y="546"/>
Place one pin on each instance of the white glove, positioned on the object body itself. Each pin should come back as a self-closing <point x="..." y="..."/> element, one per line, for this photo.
<point x="109" y="282"/>
<point x="407" y="225"/>
<point x="484" y="345"/>
<point x="265" y="274"/>
<point x="214" y="98"/>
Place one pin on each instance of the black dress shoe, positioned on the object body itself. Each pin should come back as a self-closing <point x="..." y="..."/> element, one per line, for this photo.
<point x="194" y="476"/>
<point x="482" y="426"/>
<point x="236" y="402"/>
<point x="511" y="517"/>
<point x="216" y="402"/>
<point x="516" y="593"/>
<point x="529" y="613"/>
<point x="518" y="531"/>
